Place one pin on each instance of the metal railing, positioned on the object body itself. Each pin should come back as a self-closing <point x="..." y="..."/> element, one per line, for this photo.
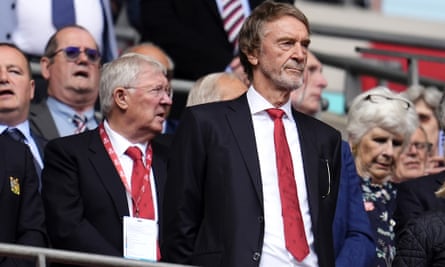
<point x="43" y="256"/>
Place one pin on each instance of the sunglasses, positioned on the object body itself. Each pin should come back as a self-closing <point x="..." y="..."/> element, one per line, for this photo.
<point x="72" y="53"/>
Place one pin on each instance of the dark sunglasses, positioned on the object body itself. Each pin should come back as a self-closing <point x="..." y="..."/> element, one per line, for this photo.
<point x="73" y="52"/>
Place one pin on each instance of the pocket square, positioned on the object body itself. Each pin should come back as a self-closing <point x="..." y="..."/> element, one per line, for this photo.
<point x="15" y="185"/>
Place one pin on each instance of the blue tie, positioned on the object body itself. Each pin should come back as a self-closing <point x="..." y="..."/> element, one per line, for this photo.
<point x="17" y="135"/>
<point x="63" y="13"/>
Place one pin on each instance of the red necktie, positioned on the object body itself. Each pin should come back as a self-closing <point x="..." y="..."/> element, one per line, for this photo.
<point x="294" y="235"/>
<point x="233" y="18"/>
<point x="140" y="185"/>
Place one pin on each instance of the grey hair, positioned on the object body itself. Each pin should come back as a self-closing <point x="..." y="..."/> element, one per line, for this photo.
<point x="432" y="97"/>
<point x="122" y="72"/>
<point x="391" y="116"/>
<point x="205" y="89"/>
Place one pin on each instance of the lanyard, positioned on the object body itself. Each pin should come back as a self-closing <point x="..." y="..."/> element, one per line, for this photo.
<point x="148" y="158"/>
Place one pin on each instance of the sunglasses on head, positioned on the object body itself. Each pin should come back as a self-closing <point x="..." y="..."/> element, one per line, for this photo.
<point x="73" y="52"/>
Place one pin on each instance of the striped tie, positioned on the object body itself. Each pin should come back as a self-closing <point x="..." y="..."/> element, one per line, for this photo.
<point x="233" y="18"/>
<point x="80" y="122"/>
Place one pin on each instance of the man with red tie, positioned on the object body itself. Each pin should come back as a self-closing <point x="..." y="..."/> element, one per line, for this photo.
<point x="101" y="184"/>
<point x="255" y="182"/>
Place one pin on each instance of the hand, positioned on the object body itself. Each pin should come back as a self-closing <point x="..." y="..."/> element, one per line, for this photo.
<point x="435" y="164"/>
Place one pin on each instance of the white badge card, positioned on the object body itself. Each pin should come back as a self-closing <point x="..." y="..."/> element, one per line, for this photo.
<point x="140" y="238"/>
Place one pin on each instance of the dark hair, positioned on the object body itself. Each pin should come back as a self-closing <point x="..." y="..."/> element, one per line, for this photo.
<point x="251" y="32"/>
<point x="13" y="46"/>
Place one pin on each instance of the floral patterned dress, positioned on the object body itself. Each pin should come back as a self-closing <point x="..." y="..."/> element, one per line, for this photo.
<point x="380" y="204"/>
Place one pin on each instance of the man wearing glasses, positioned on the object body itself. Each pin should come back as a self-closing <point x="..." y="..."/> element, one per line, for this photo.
<point x="71" y="65"/>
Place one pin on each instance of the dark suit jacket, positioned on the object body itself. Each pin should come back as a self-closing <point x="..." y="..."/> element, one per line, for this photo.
<point x="353" y="236"/>
<point x="22" y="215"/>
<point x="216" y="217"/>
<point x="416" y="197"/>
<point x="41" y="121"/>
<point x="195" y="40"/>
<point x="84" y="196"/>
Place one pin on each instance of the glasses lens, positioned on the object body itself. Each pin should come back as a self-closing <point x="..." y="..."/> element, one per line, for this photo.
<point x="92" y="54"/>
<point x="72" y="52"/>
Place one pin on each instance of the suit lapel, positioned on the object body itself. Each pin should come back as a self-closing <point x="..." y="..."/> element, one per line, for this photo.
<point x="107" y="173"/>
<point x="240" y="120"/>
<point x="311" y="163"/>
<point x="41" y="121"/>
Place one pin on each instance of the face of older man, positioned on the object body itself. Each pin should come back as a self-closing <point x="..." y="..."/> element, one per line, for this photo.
<point x="279" y="62"/>
<point x="16" y="86"/>
<point x="73" y="80"/>
<point x="148" y="101"/>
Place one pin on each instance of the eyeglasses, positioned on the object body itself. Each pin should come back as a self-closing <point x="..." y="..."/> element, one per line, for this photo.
<point x="375" y="98"/>
<point x="72" y="53"/>
<point x="156" y="92"/>
<point x="421" y="146"/>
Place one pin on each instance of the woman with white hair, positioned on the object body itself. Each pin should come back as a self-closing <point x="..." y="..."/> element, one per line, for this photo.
<point x="380" y="123"/>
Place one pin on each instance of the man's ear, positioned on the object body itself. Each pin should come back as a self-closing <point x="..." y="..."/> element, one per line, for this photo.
<point x="120" y="96"/>
<point x="252" y="59"/>
<point x="44" y="67"/>
<point x="32" y="87"/>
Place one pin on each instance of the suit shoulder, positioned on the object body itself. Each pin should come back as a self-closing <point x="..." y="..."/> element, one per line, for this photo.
<point x="315" y="123"/>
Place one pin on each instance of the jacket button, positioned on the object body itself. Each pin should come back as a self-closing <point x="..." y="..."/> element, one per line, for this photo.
<point x="8" y="36"/>
<point x="13" y="6"/>
<point x="256" y="256"/>
<point x="260" y="219"/>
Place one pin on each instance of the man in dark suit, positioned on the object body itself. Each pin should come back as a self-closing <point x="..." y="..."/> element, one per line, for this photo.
<point x="17" y="91"/>
<point x="88" y="181"/>
<point x="223" y="204"/>
<point x="71" y="65"/>
<point x="22" y="218"/>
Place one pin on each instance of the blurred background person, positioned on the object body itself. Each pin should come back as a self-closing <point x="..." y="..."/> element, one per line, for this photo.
<point x="418" y="196"/>
<point x="215" y="87"/>
<point x="17" y="91"/>
<point x="308" y="99"/>
<point x="411" y="163"/>
<point x="426" y="101"/>
<point x="380" y="123"/>
<point x="353" y="237"/>
<point x="71" y="66"/>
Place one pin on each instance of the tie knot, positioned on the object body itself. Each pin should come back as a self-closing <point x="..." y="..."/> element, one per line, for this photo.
<point x="15" y="134"/>
<point x="275" y="113"/>
<point x="79" y="120"/>
<point x="134" y="153"/>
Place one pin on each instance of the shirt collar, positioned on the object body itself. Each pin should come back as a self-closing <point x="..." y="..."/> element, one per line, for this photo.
<point x="258" y="104"/>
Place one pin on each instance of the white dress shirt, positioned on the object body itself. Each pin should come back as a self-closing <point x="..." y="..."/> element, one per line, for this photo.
<point x="274" y="251"/>
<point x="120" y="145"/>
